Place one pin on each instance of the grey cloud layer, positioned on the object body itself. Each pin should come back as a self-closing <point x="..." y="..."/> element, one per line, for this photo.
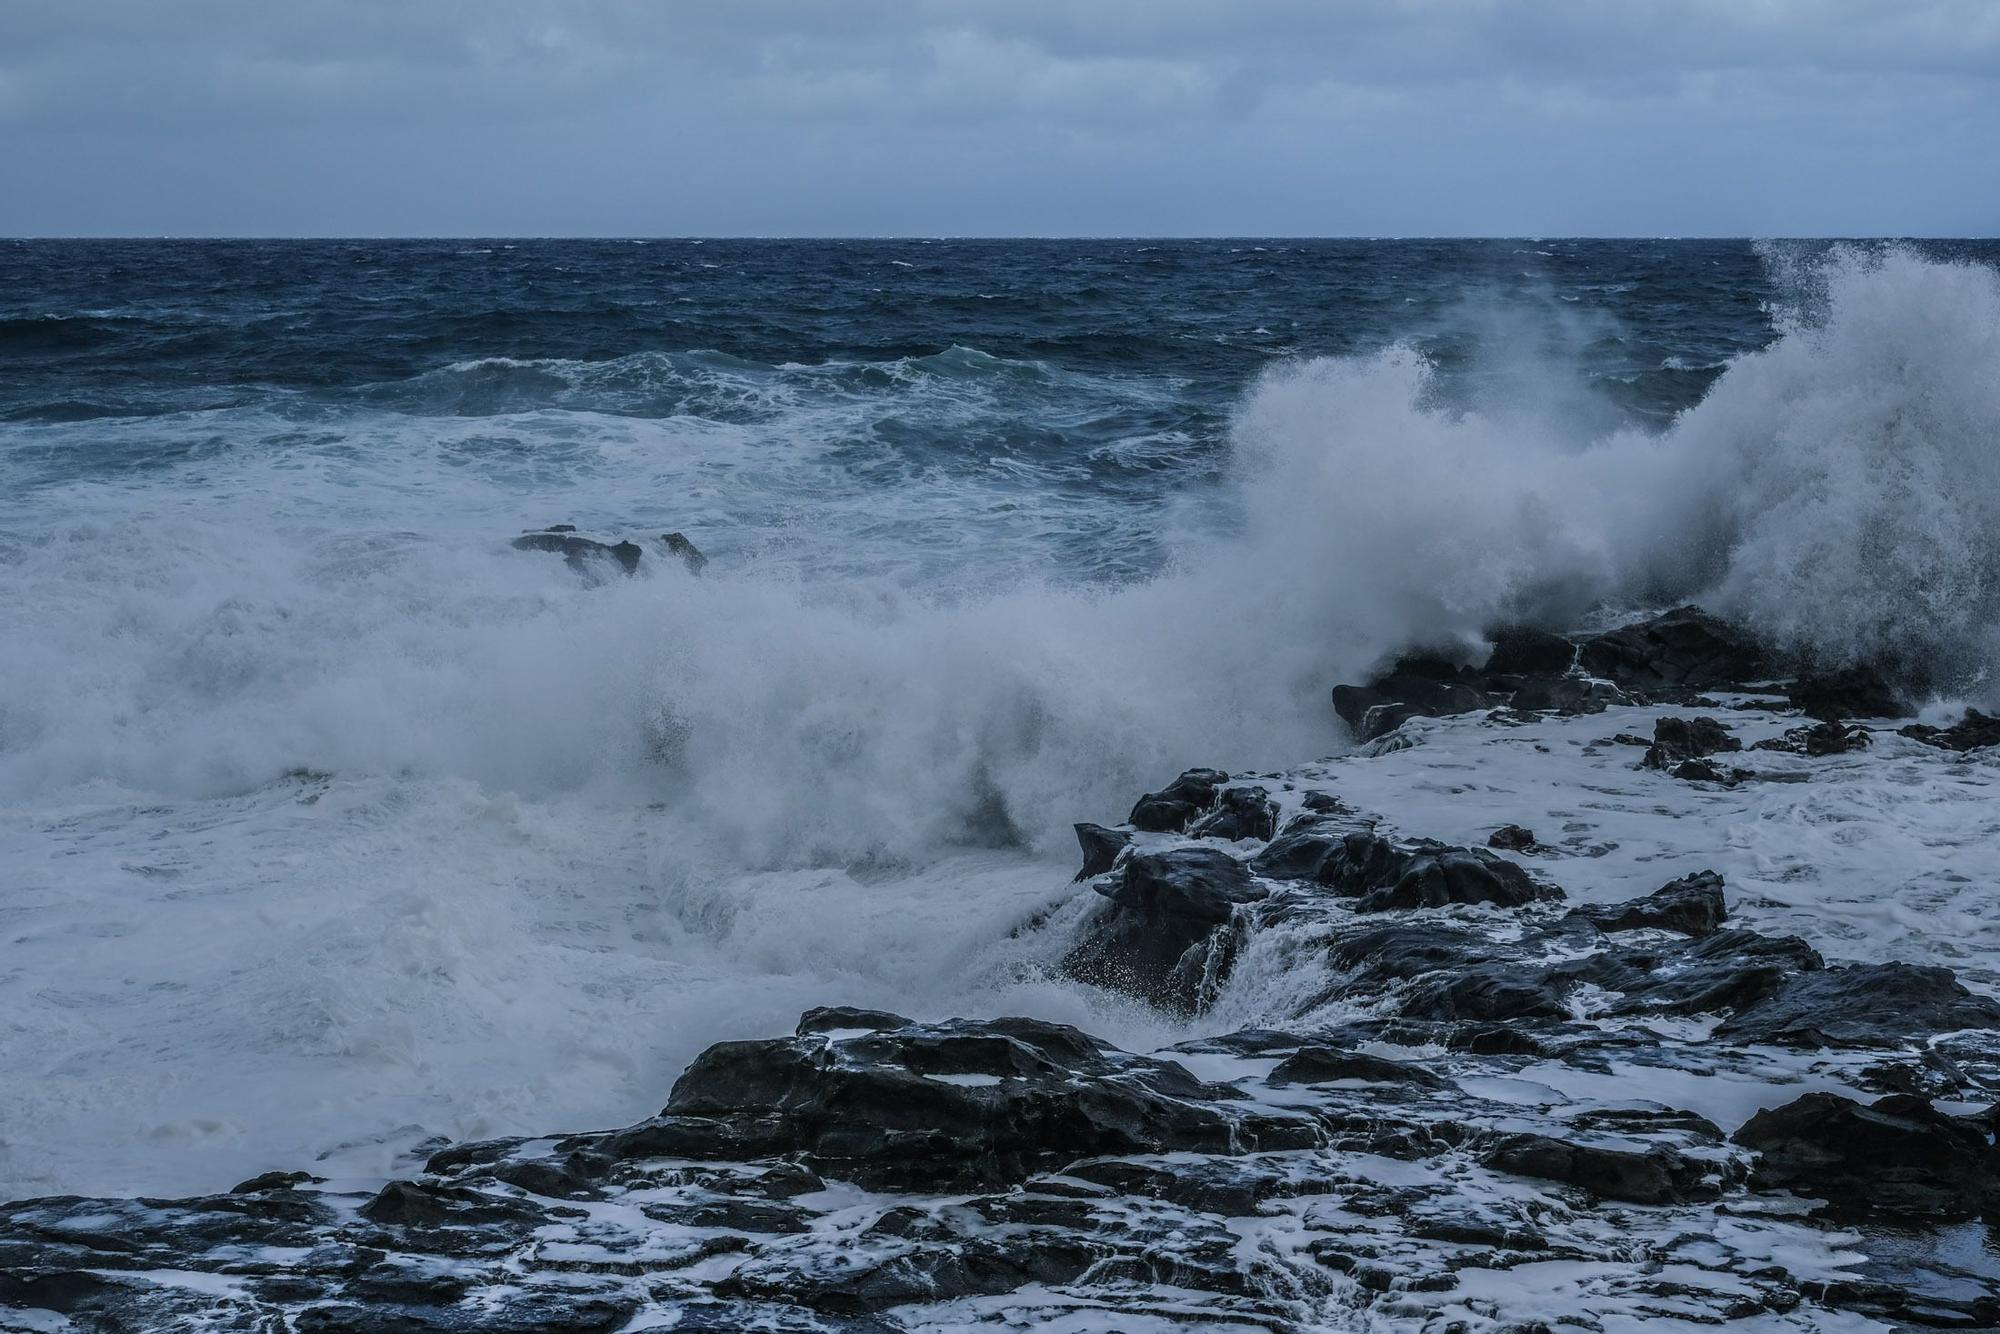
<point x="1098" y="115"/>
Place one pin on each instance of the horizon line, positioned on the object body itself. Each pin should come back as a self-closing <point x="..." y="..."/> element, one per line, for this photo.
<point x="926" y="238"/>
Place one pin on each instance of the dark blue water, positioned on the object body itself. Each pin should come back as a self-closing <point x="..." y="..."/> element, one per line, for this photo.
<point x="1005" y="384"/>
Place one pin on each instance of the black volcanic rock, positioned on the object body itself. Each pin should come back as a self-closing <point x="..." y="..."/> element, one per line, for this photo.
<point x="1174" y="807"/>
<point x="1322" y="1065"/>
<point x="677" y="544"/>
<point x="1307" y="849"/>
<point x="1451" y="974"/>
<point x="1240" y="812"/>
<point x="1415" y="687"/>
<point x="1863" y="1005"/>
<point x="1567" y="695"/>
<point x="1691" y="905"/>
<point x="964" y="1104"/>
<point x="581" y="553"/>
<point x="1101" y="847"/>
<point x="1382" y="874"/>
<point x="1854" y="692"/>
<point x="841" y="1018"/>
<point x="1728" y="970"/>
<point x="1512" y="837"/>
<point x="1658" y="1175"/>
<point x="1701" y="771"/>
<point x="1898" y="1157"/>
<point x="1683" y="649"/>
<point x="1443" y="973"/>
<point x="1167" y="932"/>
<point x="1520" y="651"/>
<point x="1679" y="739"/>
<point x="1820" y="739"/>
<point x="1972" y="732"/>
<point x="1426" y="874"/>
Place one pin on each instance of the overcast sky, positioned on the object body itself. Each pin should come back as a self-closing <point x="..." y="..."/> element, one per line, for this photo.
<point x="1000" y="117"/>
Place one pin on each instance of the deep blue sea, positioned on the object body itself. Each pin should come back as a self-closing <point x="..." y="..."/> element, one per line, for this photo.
<point x="1003" y="407"/>
<point x="318" y="797"/>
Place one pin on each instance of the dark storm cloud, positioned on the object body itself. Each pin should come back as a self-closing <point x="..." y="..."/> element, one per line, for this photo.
<point x="623" y="116"/>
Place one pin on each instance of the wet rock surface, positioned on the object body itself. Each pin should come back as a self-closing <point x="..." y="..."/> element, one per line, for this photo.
<point x="1684" y="649"/>
<point x="1175" y="807"/>
<point x="1692" y="905"/>
<point x="1472" y="1102"/>
<point x="1666" y="658"/>
<point x="1676" y="740"/>
<point x="1827" y="738"/>
<point x="1168" y="929"/>
<point x="1972" y="732"/>
<point x="595" y="558"/>
<point x="1897" y="1158"/>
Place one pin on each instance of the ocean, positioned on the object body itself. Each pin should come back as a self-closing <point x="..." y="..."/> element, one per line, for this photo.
<point x="331" y="824"/>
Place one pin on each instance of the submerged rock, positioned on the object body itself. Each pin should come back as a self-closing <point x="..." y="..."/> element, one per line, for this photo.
<point x="581" y="553"/>
<point x="1701" y="771"/>
<point x="677" y="544"/>
<point x="1567" y="695"/>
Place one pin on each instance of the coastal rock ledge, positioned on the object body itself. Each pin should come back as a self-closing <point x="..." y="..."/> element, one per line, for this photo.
<point x="1484" y="1098"/>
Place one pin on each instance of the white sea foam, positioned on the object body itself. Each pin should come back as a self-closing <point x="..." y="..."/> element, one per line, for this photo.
<point x="551" y="837"/>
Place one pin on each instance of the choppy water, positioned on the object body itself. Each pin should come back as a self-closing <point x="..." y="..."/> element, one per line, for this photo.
<point x="327" y="814"/>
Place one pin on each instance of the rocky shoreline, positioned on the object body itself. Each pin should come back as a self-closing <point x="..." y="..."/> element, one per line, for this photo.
<point x="1501" y="1107"/>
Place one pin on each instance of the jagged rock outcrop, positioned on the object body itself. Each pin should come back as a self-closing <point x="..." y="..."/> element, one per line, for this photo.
<point x="1101" y="847"/>
<point x="1240" y="813"/>
<point x="1683" y="649"/>
<point x="1173" y="808"/>
<point x="1167" y="932"/>
<point x="1819" y="740"/>
<point x="1691" y="905"/>
<point x="1676" y="740"/>
<point x="1414" y="687"/>
<point x="1863" y="1005"/>
<point x="583" y="554"/>
<point x="1974" y="731"/>
<point x="1672" y="655"/>
<point x="1853" y="692"/>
